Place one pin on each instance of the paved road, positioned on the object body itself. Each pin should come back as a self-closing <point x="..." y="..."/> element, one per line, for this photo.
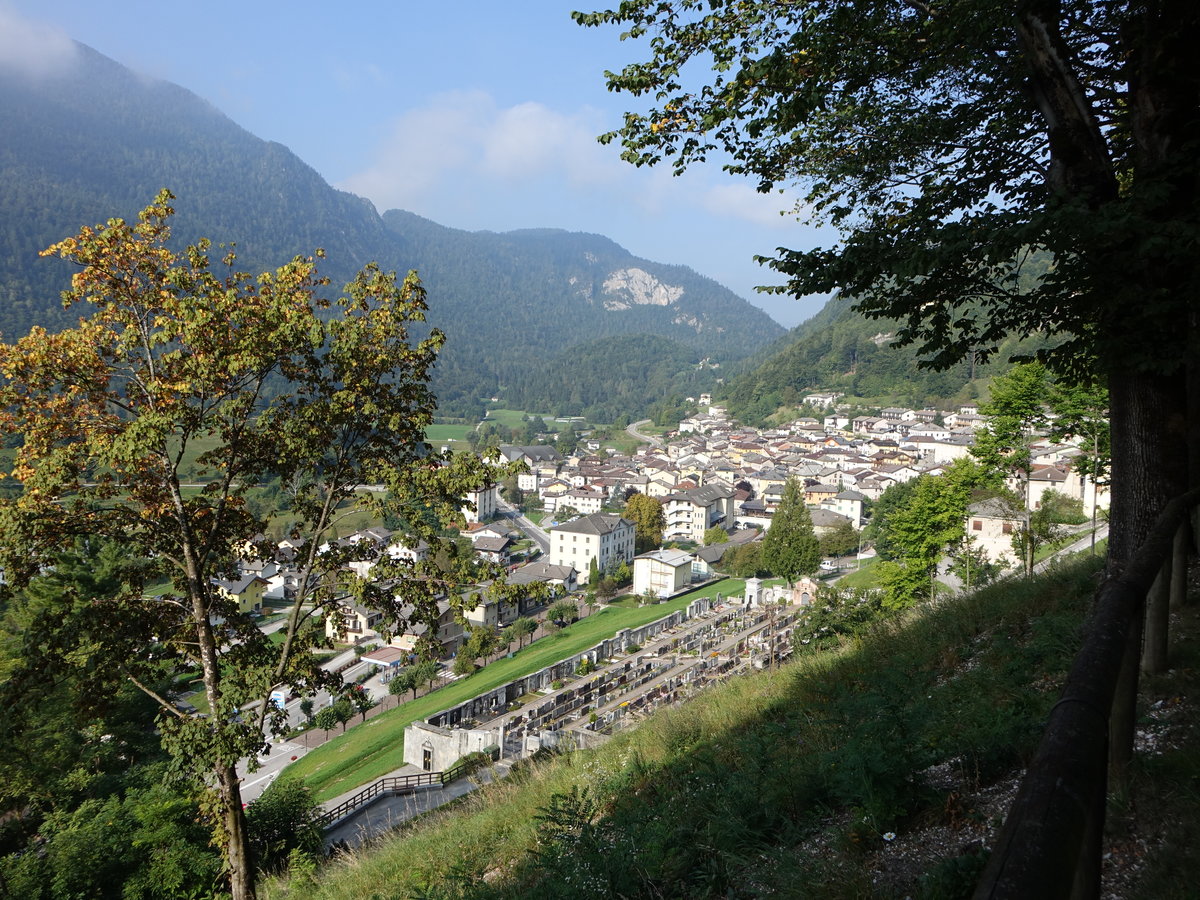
<point x="641" y="436"/>
<point x="531" y="531"/>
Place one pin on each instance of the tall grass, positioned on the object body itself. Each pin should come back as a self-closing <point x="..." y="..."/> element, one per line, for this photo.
<point x="777" y="783"/>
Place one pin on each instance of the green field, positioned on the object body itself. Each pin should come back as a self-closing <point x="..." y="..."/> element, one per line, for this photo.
<point x="512" y="418"/>
<point x="865" y="576"/>
<point x="440" y="434"/>
<point x="375" y="748"/>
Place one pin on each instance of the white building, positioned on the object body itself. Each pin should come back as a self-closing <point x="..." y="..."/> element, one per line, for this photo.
<point x="688" y="514"/>
<point x="661" y="573"/>
<point x="604" y="537"/>
<point x="482" y="504"/>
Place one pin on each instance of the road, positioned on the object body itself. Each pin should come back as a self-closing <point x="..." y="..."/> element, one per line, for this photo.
<point x="281" y="753"/>
<point x="641" y="436"/>
<point x="531" y="531"/>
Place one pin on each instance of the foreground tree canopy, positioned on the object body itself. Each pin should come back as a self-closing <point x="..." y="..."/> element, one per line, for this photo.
<point x="948" y="142"/>
<point x="238" y="380"/>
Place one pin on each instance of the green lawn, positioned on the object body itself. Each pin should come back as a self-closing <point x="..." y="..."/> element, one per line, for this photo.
<point x="512" y="418"/>
<point x="372" y="749"/>
<point x="440" y="434"/>
<point x="865" y="576"/>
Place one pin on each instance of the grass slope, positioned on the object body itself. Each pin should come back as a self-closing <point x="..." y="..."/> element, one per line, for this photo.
<point x="375" y="748"/>
<point x="804" y="782"/>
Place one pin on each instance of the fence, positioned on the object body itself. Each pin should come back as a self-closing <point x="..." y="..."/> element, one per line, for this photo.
<point x="398" y="784"/>
<point x="1050" y="845"/>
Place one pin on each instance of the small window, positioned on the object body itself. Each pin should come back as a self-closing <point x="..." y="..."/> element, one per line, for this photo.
<point x="1006" y="528"/>
<point x="976" y="525"/>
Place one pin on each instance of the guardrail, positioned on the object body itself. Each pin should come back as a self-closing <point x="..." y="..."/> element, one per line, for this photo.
<point x="1051" y="842"/>
<point x="394" y="785"/>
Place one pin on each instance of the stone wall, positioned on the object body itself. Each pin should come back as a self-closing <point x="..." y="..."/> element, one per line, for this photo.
<point x="436" y="749"/>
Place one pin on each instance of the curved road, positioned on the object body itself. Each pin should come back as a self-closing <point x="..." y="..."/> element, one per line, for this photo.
<point x="644" y="438"/>
<point x="531" y="531"/>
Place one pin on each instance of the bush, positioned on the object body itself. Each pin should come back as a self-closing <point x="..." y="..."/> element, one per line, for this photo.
<point x="836" y="613"/>
<point x="282" y="821"/>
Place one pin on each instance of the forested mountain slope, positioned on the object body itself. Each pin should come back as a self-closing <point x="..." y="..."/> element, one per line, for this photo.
<point x="98" y="141"/>
<point x="840" y="350"/>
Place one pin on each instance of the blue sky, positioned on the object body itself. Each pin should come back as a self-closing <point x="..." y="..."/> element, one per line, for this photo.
<point x="477" y="115"/>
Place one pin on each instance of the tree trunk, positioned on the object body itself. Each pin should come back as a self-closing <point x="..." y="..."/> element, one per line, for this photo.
<point x="237" y="844"/>
<point x="1149" y="456"/>
<point x="1158" y="623"/>
<point x="1179" y="564"/>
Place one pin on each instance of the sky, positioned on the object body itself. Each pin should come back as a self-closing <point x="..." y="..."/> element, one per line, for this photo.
<point x="477" y="114"/>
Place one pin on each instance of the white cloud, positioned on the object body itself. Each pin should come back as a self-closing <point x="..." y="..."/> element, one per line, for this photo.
<point x="464" y="137"/>
<point x="742" y="201"/>
<point x="32" y="47"/>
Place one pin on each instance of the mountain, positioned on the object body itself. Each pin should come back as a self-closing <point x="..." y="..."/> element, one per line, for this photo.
<point x="840" y="350"/>
<point x="96" y="141"/>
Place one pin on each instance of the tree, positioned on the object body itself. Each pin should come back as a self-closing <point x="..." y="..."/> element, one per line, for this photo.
<point x="327" y="719"/>
<point x="522" y="628"/>
<point x="360" y="698"/>
<point x="1016" y="410"/>
<point x="562" y="613"/>
<point x="790" y="548"/>
<point x="510" y="491"/>
<point x="606" y="589"/>
<point x="1081" y="414"/>
<point x="744" y="561"/>
<point x="715" y="535"/>
<point x="284" y="819"/>
<point x="991" y="169"/>
<point x="464" y="663"/>
<point x="932" y="519"/>
<point x="403" y="681"/>
<point x="254" y="378"/>
<point x="842" y="540"/>
<point x="646" y="514"/>
<point x="306" y="707"/>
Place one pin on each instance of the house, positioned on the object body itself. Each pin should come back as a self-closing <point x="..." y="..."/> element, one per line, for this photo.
<point x="825" y="521"/>
<point x="352" y="622"/>
<point x="848" y="504"/>
<point x="815" y="494"/>
<point x="661" y="573"/>
<point x="690" y="513"/>
<point x="991" y="525"/>
<point x="493" y="549"/>
<point x="482" y="503"/>
<point x="824" y="400"/>
<point x="562" y="577"/>
<point x="246" y="591"/>
<point x="707" y="558"/>
<point x="603" y="537"/>
<point x="447" y="631"/>
<point x="493" y="612"/>
<point x="537" y="455"/>
<point x="584" y="500"/>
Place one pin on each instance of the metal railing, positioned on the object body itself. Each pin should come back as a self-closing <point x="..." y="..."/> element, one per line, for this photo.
<point x="1051" y="842"/>
<point x="395" y="785"/>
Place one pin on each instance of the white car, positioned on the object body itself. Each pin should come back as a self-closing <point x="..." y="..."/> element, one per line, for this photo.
<point x="828" y="565"/>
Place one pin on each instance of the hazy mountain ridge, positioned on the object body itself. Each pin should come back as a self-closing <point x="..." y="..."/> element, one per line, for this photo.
<point x="98" y="141"/>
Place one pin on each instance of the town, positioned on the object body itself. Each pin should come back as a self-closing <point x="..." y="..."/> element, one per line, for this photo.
<point x="716" y="487"/>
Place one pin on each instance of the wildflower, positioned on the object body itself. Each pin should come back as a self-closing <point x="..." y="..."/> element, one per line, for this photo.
<point x="889" y="836"/>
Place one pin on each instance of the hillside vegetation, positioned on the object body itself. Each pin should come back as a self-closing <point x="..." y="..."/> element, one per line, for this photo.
<point x="841" y="350"/>
<point x="99" y="141"/>
<point x="878" y="769"/>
